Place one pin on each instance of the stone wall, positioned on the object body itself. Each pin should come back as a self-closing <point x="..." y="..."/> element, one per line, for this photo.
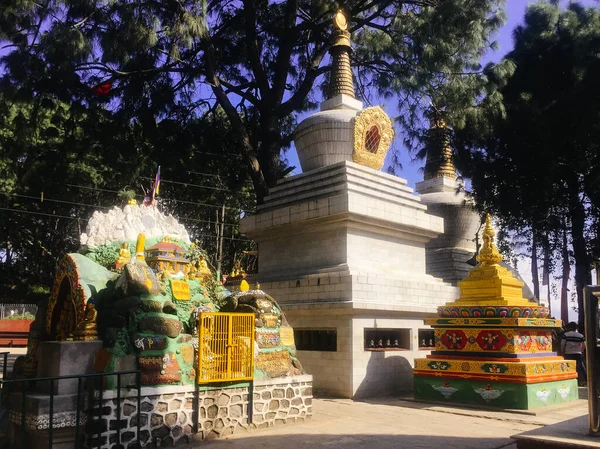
<point x="168" y="416"/>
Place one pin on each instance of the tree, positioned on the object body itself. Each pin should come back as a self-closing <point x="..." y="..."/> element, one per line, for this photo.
<point x="61" y="162"/>
<point x="257" y="60"/>
<point x="533" y="158"/>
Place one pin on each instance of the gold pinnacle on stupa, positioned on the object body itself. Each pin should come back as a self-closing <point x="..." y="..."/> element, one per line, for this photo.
<point x="489" y="254"/>
<point x="439" y="162"/>
<point x="341" y="72"/>
<point x="490" y="283"/>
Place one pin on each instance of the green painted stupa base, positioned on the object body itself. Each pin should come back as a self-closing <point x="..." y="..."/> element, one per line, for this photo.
<point x="501" y="395"/>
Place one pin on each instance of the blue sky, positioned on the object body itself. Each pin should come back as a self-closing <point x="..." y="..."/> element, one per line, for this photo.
<point x="515" y="10"/>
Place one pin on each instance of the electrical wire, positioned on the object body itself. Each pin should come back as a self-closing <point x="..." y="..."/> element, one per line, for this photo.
<point x="41" y="213"/>
<point x="142" y="196"/>
<point x="189" y="184"/>
<point x="41" y="200"/>
<point x="22" y="211"/>
<point x="98" y="207"/>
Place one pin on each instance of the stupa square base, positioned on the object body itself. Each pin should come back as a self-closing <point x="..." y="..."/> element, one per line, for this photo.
<point x="493" y="394"/>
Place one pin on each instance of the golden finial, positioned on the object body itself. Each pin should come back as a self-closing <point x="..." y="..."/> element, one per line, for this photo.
<point x="340" y="81"/>
<point x="439" y="155"/>
<point x="489" y="254"/>
<point x="132" y="202"/>
<point x="340" y="22"/>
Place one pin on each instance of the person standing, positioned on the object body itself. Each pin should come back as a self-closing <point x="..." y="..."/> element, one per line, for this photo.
<point x="572" y="346"/>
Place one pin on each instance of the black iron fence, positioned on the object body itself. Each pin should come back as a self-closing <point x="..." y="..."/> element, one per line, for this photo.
<point x="31" y="412"/>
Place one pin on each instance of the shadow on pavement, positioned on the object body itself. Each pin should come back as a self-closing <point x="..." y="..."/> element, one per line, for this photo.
<point x="359" y="441"/>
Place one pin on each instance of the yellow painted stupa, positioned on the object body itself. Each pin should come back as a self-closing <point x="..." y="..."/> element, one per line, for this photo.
<point x="492" y="346"/>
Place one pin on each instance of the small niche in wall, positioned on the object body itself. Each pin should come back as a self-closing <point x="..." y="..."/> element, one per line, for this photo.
<point x="316" y="339"/>
<point x="426" y="339"/>
<point x="387" y="339"/>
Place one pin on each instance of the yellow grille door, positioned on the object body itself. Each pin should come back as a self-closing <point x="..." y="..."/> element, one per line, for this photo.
<point x="225" y="347"/>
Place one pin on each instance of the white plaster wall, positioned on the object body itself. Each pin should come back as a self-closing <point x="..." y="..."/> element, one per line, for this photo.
<point x="332" y="371"/>
<point x="352" y="372"/>
<point x="302" y="252"/>
<point x="378" y="373"/>
<point x="412" y="292"/>
<point x="334" y="286"/>
<point x="374" y="252"/>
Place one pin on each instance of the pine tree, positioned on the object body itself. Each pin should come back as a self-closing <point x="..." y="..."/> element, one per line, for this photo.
<point x="259" y="61"/>
<point x="533" y="156"/>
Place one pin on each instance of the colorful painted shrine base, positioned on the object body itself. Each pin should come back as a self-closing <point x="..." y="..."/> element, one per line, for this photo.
<point x="494" y="347"/>
<point x="495" y="394"/>
<point x="525" y="371"/>
<point x="495" y="362"/>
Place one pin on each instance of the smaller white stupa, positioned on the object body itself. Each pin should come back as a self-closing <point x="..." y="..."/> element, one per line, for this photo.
<point x="448" y="254"/>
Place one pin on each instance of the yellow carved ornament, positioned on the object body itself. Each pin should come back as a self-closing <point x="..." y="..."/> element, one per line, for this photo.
<point x="489" y="254"/>
<point x="373" y="134"/>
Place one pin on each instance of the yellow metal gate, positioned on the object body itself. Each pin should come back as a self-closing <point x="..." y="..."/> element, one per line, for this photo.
<point x="225" y="347"/>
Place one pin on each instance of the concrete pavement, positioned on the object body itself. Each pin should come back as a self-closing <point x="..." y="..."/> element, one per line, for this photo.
<point x="390" y="423"/>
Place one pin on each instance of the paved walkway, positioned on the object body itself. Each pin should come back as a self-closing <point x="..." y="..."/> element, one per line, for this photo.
<point x="392" y="424"/>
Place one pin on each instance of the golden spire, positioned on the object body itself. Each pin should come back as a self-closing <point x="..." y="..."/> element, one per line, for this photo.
<point x="439" y="155"/>
<point x="341" y="73"/>
<point x="489" y="254"/>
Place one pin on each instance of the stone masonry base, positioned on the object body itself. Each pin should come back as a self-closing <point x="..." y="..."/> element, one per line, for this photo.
<point x="168" y="416"/>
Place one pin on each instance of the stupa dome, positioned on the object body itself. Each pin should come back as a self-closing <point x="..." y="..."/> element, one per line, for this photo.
<point x="343" y="130"/>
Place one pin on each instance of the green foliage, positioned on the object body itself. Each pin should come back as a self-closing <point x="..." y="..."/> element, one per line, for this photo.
<point x="106" y="254"/>
<point x="254" y="63"/>
<point x="210" y="91"/>
<point x="214" y="292"/>
<point x="96" y="161"/>
<point x="21" y="316"/>
<point x="534" y="157"/>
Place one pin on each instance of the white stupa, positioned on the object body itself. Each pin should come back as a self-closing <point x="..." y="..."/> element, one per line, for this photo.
<point x="342" y="248"/>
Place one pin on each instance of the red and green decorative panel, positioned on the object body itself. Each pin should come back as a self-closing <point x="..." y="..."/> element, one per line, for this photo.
<point x="512" y="341"/>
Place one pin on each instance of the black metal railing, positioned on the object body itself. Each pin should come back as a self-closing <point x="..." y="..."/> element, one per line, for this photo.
<point x="89" y="410"/>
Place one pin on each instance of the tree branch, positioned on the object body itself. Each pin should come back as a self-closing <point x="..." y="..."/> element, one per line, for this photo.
<point x="252" y="47"/>
<point x="246" y="148"/>
<point x="295" y="102"/>
<point x="286" y="46"/>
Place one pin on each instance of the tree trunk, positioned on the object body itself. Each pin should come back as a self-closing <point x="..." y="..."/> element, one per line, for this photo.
<point x="546" y="271"/>
<point x="269" y="153"/>
<point x="566" y="273"/>
<point x="583" y="275"/>
<point x="221" y="236"/>
<point x="534" y="267"/>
